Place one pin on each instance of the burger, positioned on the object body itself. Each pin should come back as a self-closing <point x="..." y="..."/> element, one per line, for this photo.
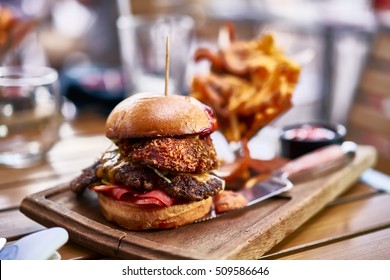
<point x="159" y="173"/>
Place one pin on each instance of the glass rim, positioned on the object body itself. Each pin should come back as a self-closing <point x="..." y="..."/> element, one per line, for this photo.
<point x="126" y="21"/>
<point x="27" y="75"/>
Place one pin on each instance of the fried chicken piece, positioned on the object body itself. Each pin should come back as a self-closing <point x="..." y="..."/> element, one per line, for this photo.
<point x="186" y="155"/>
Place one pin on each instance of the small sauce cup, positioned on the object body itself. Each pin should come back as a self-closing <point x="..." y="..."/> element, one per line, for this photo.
<point x="299" y="139"/>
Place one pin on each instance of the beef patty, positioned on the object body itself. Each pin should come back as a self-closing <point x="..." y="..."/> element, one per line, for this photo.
<point x="112" y="168"/>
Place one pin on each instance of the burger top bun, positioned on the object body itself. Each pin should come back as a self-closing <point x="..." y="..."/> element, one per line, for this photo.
<point x="154" y="115"/>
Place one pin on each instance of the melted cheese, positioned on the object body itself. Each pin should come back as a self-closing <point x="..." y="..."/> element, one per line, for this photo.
<point x="203" y="178"/>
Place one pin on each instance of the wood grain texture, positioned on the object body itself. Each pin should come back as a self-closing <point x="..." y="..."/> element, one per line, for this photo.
<point x="329" y="225"/>
<point x="12" y="197"/>
<point x="243" y="234"/>
<point x="14" y="225"/>
<point x="375" y="81"/>
<point x="369" y="119"/>
<point x="381" y="46"/>
<point x="371" y="246"/>
<point x="73" y="251"/>
<point x="74" y="154"/>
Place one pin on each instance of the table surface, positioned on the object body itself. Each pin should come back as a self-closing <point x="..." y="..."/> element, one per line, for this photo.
<point x="354" y="226"/>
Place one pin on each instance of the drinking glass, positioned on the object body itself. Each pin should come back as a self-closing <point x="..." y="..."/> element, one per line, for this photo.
<point x="143" y="50"/>
<point x="29" y="114"/>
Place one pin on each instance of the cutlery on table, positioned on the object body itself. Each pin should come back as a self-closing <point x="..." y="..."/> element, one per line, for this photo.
<point x="41" y="245"/>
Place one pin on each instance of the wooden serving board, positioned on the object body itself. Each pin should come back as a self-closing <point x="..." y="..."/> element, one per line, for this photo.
<point x="243" y="234"/>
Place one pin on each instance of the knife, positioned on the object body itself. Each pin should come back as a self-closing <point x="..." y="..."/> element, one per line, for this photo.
<point x="312" y="165"/>
<point x="41" y="245"/>
<point x="377" y="180"/>
<point x="2" y="242"/>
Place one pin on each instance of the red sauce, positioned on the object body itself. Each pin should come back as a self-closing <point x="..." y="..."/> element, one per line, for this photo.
<point x="213" y="121"/>
<point x="309" y="133"/>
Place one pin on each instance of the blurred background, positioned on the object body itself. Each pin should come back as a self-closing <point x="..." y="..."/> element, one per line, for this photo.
<point x="343" y="47"/>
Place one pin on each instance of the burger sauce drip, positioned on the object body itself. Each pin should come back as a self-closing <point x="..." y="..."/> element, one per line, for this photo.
<point x="213" y="121"/>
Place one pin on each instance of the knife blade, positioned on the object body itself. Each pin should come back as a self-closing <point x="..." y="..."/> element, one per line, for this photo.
<point x="377" y="180"/>
<point x="40" y="245"/>
<point x="308" y="166"/>
<point x="2" y="242"/>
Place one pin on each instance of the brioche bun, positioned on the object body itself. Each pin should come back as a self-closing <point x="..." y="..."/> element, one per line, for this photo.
<point x="139" y="217"/>
<point x="154" y="115"/>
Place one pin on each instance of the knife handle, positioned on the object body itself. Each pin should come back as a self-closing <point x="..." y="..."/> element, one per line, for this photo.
<point x="319" y="162"/>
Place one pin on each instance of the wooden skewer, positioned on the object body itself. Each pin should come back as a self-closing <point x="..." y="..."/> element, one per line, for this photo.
<point x="166" y="65"/>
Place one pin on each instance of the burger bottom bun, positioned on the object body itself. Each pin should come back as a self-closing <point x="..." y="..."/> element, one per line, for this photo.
<point x="139" y="217"/>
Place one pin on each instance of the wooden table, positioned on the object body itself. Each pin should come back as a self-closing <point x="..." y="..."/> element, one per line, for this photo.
<point x="354" y="226"/>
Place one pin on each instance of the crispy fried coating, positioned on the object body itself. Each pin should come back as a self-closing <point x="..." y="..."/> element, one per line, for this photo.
<point x="185" y="155"/>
